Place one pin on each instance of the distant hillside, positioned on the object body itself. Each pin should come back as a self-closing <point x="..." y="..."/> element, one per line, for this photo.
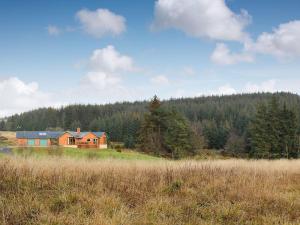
<point x="214" y="117"/>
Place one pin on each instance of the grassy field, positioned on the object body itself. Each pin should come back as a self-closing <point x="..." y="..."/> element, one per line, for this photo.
<point x="60" y="190"/>
<point x="82" y="153"/>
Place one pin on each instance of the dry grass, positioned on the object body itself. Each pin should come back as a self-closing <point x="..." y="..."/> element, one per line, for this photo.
<point x="7" y="138"/>
<point x="65" y="191"/>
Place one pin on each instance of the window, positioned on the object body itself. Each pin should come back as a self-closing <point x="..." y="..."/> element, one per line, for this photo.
<point x="71" y="141"/>
<point x="95" y="141"/>
<point x="31" y="142"/>
<point x="88" y="140"/>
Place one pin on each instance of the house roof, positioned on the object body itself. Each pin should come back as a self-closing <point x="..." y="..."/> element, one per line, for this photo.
<point x="98" y="134"/>
<point x="38" y="134"/>
<point x="82" y="134"/>
<point x="77" y="135"/>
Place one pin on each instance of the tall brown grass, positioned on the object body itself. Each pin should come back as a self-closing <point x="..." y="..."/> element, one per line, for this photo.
<point x="108" y="192"/>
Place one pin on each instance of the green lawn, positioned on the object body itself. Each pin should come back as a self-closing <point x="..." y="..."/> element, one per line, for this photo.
<point x="83" y="153"/>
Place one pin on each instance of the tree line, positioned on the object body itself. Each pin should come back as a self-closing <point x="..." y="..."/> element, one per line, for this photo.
<point x="235" y="124"/>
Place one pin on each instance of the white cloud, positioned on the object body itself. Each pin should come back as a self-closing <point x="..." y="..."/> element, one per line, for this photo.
<point x="180" y="93"/>
<point x="266" y="86"/>
<point x="160" y="80"/>
<point x="70" y="29"/>
<point x="101" y="80"/>
<point x="101" y="22"/>
<point x="56" y="31"/>
<point x="53" y="30"/>
<point x="102" y="83"/>
<point x="223" y="56"/>
<point x="17" y="96"/>
<point x="283" y="42"/>
<point x="104" y="77"/>
<point x="201" y="18"/>
<point x="110" y="60"/>
<point x="105" y="67"/>
<point x="189" y="71"/>
<point x="224" y="90"/>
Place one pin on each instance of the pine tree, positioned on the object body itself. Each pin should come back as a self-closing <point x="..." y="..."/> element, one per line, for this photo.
<point x="288" y="133"/>
<point x="178" y="136"/>
<point x="274" y="127"/>
<point x="154" y="104"/>
<point x="259" y="129"/>
<point x="165" y="132"/>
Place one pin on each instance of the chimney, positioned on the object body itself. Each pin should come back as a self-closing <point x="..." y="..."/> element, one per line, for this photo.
<point x="78" y="130"/>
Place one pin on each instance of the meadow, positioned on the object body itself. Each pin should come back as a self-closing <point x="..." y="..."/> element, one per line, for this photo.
<point x="82" y="153"/>
<point x="64" y="190"/>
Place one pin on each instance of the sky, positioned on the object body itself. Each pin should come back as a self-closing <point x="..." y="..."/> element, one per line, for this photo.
<point x="60" y="52"/>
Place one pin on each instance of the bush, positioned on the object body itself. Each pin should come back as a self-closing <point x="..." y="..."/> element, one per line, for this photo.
<point x="117" y="145"/>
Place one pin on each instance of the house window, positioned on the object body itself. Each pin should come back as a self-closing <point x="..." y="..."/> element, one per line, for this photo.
<point x="31" y="142"/>
<point x="95" y="140"/>
<point x="71" y="141"/>
<point x="88" y="140"/>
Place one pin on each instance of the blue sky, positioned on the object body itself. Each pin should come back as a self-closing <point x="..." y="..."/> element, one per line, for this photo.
<point x="61" y="52"/>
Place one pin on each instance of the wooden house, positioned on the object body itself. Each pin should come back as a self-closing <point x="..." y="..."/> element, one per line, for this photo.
<point x="76" y="139"/>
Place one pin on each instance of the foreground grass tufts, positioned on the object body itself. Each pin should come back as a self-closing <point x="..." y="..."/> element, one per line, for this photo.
<point x="60" y="190"/>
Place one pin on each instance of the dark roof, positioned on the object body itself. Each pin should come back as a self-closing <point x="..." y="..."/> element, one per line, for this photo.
<point x="76" y="135"/>
<point x="82" y="134"/>
<point x="38" y="134"/>
<point x="98" y="134"/>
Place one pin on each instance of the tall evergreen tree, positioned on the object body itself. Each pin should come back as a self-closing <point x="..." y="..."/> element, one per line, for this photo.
<point x="288" y="133"/>
<point x="165" y="132"/>
<point x="274" y="127"/>
<point x="150" y="138"/>
<point x="259" y="129"/>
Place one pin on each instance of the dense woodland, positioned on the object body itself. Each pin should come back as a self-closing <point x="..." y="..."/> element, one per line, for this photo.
<point x="257" y="125"/>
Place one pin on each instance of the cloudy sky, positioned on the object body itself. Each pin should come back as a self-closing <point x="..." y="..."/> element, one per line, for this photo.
<point x="60" y="52"/>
